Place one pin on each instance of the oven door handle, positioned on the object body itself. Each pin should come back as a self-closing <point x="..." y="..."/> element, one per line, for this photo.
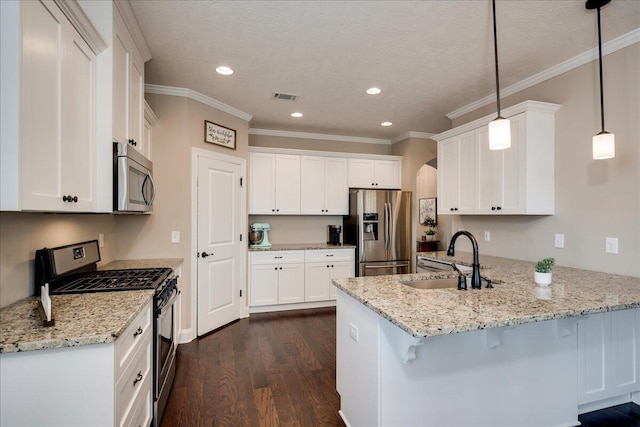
<point x="168" y="304"/>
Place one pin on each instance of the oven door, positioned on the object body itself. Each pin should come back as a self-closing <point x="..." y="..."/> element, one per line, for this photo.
<point x="165" y="350"/>
<point x="134" y="189"/>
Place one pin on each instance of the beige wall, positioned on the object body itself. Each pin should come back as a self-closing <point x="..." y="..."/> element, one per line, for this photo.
<point x="594" y="198"/>
<point x="22" y="233"/>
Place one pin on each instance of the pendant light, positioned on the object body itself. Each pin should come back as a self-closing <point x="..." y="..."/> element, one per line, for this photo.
<point x="604" y="145"/>
<point x="499" y="128"/>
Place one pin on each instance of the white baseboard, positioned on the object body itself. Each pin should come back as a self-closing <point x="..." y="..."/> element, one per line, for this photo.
<point x="635" y="397"/>
<point x="298" y="306"/>
<point x="186" y="336"/>
<point x="605" y="403"/>
<point x="344" y="419"/>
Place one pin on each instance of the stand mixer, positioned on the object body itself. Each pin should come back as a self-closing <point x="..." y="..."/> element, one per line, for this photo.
<point x="258" y="235"/>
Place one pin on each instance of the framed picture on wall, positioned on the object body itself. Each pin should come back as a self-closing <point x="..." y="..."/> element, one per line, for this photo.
<point x="429" y="209"/>
<point x="219" y="135"/>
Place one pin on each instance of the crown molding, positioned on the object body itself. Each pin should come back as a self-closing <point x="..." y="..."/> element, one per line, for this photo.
<point x="81" y="22"/>
<point x="526" y="106"/>
<point x="131" y="22"/>
<point x="412" y="134"/>
<point x="320" y="136"/>
<point x="568" y="65"/>
<point x="197" y="96"/>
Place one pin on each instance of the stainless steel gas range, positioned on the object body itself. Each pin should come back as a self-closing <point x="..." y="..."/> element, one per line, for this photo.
<point x="73" y="269"/>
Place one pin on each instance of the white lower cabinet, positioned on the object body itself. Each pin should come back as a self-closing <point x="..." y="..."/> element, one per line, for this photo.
<point x="90" y="385"/>
<point x="321" y="267"/>
<point x="289" y="277"/>
<point x="277" y="277"/>
<point x="608" y="355"/>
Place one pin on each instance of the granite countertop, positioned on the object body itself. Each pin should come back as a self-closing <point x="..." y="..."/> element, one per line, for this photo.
<point x="300" y="247"/>
<point x="81" y="319"/>
<point x="515" y="300"/>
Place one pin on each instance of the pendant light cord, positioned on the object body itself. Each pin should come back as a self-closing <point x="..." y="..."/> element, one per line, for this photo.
<point x="495" y="47"/>
<point x="601" y="84"/>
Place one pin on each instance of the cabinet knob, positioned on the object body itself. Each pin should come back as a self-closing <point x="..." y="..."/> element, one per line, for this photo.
<point x="373" y="184"/>
<point x="499" y="208"/>
<point x="64" y="198"/>
<point x="280" y="268"/>
<point x="331" y="265"/>
<point x="275" y="268"/>
<point x="75" y="199"/>
<point x="493" y="208"/>
<point x="327" y="266"/>
<point x="133" y="142"/>
<point x="277" y="210"/>
<point x="273" y="210"/>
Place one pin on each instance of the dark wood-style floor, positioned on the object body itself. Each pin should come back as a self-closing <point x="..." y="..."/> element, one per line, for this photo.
<point x="278" y="369"/>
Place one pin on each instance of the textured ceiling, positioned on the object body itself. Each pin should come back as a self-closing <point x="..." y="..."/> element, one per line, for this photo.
<point x="429" y="57"/>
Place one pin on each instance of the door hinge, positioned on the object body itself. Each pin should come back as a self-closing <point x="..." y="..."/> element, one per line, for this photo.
<point x="241" y="237"/>
<point x="241" y="181"/>
<point x="240" y="293"/>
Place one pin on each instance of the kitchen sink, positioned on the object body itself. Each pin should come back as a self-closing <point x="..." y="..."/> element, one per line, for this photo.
<point x="432" y="283"/>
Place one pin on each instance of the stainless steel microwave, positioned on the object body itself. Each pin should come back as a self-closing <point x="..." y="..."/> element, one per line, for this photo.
<point x="133" y="186"/>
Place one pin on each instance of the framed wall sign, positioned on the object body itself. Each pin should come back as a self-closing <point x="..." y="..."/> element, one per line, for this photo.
<point x="428" y="209"/>
<point x="219" y="135"/>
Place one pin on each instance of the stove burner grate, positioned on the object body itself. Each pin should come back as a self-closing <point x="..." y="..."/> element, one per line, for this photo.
<point x="115" y="280"/>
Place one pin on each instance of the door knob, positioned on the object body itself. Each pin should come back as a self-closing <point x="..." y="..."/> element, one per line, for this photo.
<point x="204" y="254"/>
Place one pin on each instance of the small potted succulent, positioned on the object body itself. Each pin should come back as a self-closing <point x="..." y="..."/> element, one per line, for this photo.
<point x="431" y="230"/>
<point x="542" y="275"/>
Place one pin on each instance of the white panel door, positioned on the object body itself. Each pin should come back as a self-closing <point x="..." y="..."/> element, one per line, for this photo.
<point x="488" y="172"/>
<point x="593" y="355"/>
<point x="466" y="173"/>
<point x="121" y="69"/>
<point x="317" y="278"/>
<point x="136" y="100"/>
<point x="291" y="283"/>
<point x="336" y="188"/>
<point x="340" y="270"/>
<point x="624" y="351"/>
<point x="78" y="123"/>
<point x="219" y="245"/>
<point x="448" y="176"/>
<point x="262" y="185"/>
<point x="387" y="174"/>
<point x="361" y="173"/>
<point x="287" y="184"/>
<point x="41" y="87"/>
<point x="312" y="185"/>
<point x="264" y="285"/>
<point x="512" y="192"/>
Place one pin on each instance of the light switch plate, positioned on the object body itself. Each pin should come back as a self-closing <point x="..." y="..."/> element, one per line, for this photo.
<point x="487" y="236"/>
<point x="175" y="237"/>
<point x="353" y="332"/>
<point x="559" y="241"/>
<point x="611" y="245"/>
<point x="101" y="240"/>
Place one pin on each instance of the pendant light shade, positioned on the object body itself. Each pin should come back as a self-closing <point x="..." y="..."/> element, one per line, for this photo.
<point x="604" y="145"/>
<point x="499" y="134"/>
<point x="499" y="128"/>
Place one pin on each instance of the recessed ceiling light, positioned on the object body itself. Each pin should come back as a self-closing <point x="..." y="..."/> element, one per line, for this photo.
<point x="296" y="114"/>
<point x="374" y="91"/>
<point x="224" y="70"/>
<point x="386" y="124"/>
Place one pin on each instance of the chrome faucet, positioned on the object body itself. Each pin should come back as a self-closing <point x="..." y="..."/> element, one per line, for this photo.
<point x="475" y="274"/>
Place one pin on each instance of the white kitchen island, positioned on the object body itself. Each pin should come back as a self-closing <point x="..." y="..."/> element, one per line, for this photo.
<point x="507" y="356"/>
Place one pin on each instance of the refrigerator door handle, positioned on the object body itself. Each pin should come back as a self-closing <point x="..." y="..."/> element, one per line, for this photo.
<point x="386" y="266"/>
<point x="387" y="226"/>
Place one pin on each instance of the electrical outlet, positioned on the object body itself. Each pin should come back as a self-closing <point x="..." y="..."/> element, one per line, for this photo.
<point x="101" y="240"/>
<point x="611" y="245"/>
<point x="559" y="241"/>
<point x="175" y="237"/>
<point x="487" y="236"/>
<point x="353" y="332"/>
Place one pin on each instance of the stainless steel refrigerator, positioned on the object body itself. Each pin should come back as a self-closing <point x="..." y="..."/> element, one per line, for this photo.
<point x="379" y="224"/>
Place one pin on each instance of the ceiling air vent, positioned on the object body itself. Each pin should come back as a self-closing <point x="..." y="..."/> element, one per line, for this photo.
<point x="285" y="96"/>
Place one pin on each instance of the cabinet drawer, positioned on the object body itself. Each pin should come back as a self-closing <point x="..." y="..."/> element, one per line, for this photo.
<point x="270" y="257"/>
<point x="142" y="410"/>
<point x="135" y="382"/>
<point x="133" y="336"/>
<point x="329" y="254"/>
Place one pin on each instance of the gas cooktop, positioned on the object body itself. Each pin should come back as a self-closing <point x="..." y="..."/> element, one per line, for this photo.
<point x="115" y="280"/>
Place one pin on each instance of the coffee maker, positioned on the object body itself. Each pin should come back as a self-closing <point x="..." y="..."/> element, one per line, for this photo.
<point x="334" y="235"/>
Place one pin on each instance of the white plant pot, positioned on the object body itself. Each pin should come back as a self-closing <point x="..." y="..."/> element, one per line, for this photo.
<point x="542" y="279"/>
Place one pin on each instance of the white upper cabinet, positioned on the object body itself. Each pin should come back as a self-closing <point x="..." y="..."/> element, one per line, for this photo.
<point x="53" y="139"/>
<point x="274" y="187"/>
<point x="128" y="87"/>
<point x="150" y="120"/>
<point x="324" y="189"/>
<point x="472" y="179"/>
<point x="456" y="170"/>
<point x="373" y="173"/>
